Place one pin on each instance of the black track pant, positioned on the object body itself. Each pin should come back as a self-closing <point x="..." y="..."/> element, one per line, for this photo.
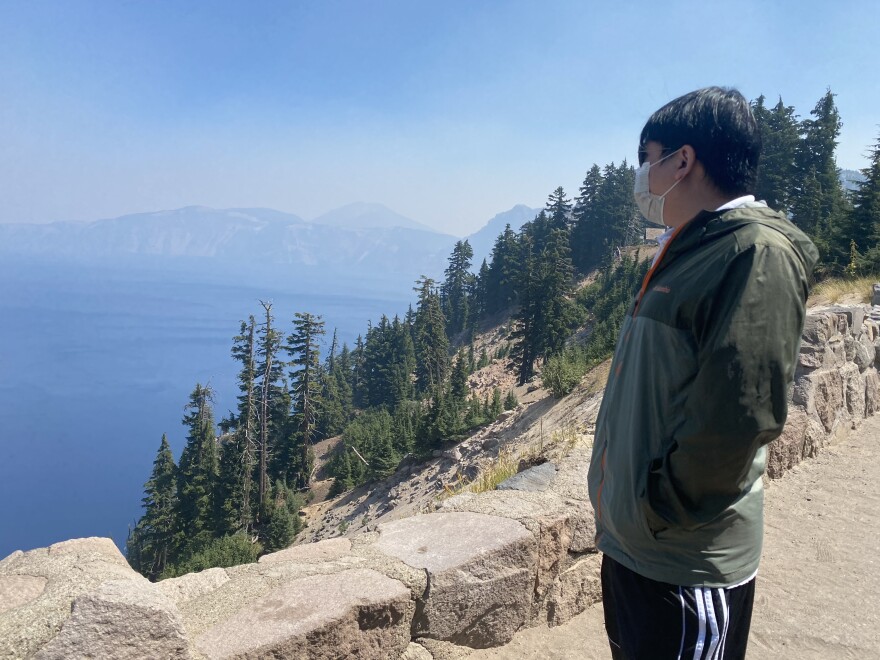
<point x="648" y="620"/>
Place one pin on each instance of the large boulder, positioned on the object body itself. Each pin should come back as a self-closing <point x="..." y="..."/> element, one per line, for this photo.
<point x="51" y="580"/>
<point x="356" y="613"/>
<point x="480" y="570"/>
<point x="121" y="619"/>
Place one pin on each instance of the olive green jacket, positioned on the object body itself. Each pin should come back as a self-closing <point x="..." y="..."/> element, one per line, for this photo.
<point x="699" y="385"/>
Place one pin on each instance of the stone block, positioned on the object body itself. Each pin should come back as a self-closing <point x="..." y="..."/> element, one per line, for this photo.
<point x="854" y="383"/>
<point x="859" y="351"/>
<point x="575" y="590"/>
<point x="870" y="356"/>
<point x="192" y="585"/>
<point x="326" y="550"/>
<point x="821" y="393"/>
<point x="122" y="619"/>
<point x="854" y="317"/>
<point x="480" y="570"/>
<point x="814" y="438"/>
<point x="872" y="393"/>
<point x="818" y="329"/>
<point x="788" y="449"/>
<point x="357" y="613"/>
<point x="535" y="479"/>
<point x="554" y="539"/>
<point x="875" y="296"/>
<point x="828" y="355"/>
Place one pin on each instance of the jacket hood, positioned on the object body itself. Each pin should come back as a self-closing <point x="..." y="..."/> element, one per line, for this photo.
<point x="710" y="225"/>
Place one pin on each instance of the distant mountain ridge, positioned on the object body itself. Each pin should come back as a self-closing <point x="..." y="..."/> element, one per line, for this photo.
<point x="364" y="215"/>
<point x="483" y="240"/>
<point x="357" y="239"/>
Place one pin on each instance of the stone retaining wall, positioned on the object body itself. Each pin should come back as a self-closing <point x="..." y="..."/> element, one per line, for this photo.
<point x="472" y="573"/>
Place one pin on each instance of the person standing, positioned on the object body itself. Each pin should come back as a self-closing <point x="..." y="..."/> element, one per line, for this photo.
<point x="698" y="387"/>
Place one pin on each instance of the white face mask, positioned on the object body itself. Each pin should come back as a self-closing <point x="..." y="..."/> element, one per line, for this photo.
<point x="649" y="204"/>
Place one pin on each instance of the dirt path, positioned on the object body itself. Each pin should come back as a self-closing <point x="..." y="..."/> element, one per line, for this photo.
<point x="818" y="590"/>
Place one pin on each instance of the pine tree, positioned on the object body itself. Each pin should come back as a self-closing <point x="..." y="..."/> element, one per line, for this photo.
<point x="272" y="397"/>
<point x="526" y="323"/>
<point x="618" y="211"/>
<point x="481" y="293"/>
<point x="503" y="272"/>
<point x="156" y="529"/>
<point x="558" y="210"/>
<point x="496" y="407"/>
<point x="197" y="510"/>
<point x="377" y="376"/>
<point x="864" y="220"/>
<point x="556" y="277"/>
<point x="456" y="289"/>
<point x="303" y="347"/>
<point x="403" y="363"/>
<point x="543" y="322"/>
<point x="431" y="344"/>
<point x="820" y="207"/>
<point x="588" y="236"/>
<point x="340" y="468"/>
<point x="458" y="380"/>
<point x="282" y="524"/>
<point x="237" y="460"/>
<point x="360" y="395"/>
<point x="777" y="171"/>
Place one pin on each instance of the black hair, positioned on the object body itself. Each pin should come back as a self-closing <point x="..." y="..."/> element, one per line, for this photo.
<point x="718" y="123"/>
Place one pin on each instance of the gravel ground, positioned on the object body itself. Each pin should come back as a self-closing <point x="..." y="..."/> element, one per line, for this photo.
<point x="818" y="590"/>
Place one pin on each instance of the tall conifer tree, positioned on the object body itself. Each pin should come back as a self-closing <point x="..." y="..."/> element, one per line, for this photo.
<point x="304" y="347"/>
<point x="156" y="529"/>
<point x="197" y="477"/>
<point x="431" y="344"/>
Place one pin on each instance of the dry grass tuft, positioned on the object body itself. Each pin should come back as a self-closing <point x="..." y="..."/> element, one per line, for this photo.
<point x="501" y="469"/>
<point x="855" y="290"/>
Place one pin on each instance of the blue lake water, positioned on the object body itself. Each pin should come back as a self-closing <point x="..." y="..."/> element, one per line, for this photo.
<point x="97" y="363"/>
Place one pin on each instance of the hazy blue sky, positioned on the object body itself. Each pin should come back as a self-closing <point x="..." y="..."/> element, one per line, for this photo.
<point x="448" y="112"/>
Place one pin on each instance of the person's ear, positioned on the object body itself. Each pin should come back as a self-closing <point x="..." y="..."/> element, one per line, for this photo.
<point x="685" y="161"/>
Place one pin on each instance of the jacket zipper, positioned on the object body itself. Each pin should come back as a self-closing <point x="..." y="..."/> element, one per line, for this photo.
<point x="654" y="267"/>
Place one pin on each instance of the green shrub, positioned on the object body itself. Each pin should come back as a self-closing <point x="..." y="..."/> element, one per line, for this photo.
<point x="223" y="552"/>
<point x="562" y="372"/>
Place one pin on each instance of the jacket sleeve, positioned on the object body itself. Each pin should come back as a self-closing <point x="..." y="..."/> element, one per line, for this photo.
<point x="748" y="334"/>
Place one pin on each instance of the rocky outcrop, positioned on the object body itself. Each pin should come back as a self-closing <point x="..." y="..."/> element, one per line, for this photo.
<point x="471" y="573"/>
<point x="80" y="599"/>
